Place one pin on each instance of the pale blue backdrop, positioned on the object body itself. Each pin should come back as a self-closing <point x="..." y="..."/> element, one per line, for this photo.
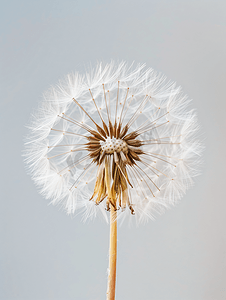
<point x="44" y="253"/>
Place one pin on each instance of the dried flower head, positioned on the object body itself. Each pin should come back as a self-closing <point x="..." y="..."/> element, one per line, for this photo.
<point x="118" y="137"/>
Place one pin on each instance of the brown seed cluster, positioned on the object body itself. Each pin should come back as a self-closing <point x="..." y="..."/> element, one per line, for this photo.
<point x="112" y="148"/>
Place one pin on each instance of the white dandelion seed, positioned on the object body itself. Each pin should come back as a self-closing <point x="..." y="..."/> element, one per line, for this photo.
<point x="120" y="139"/>
<point x="128" y="117"/>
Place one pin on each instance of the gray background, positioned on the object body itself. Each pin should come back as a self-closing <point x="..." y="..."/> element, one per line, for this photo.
<point x="44" y="253"/>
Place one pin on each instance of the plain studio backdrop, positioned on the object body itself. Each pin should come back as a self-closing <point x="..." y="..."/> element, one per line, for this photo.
<point x="46" y="254"/>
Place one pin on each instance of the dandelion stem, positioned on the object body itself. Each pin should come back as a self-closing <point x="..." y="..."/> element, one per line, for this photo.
<point x="112" y="254"/>
<point x="113" y="235"/>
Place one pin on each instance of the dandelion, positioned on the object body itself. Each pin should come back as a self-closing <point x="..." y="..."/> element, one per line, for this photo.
<point x="119" y="139"/>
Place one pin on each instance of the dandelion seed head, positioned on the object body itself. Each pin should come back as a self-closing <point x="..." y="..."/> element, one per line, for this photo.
<point x="111" y="145"/>
<point x="120" y="136"/>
